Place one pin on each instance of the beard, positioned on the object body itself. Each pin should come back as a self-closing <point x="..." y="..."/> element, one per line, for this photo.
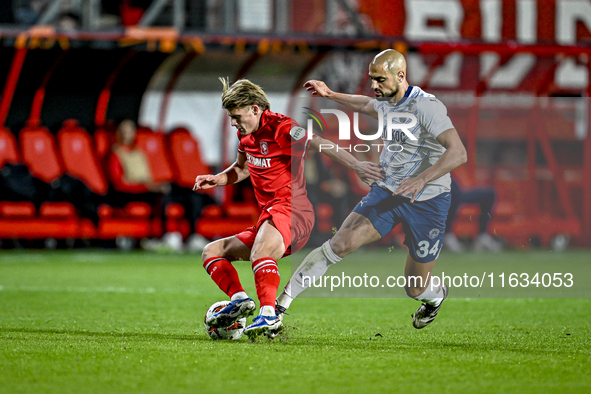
<point x="380" y="95"/>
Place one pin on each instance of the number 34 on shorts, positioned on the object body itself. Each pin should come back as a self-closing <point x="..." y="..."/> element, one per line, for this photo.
<point x="425" y="248"/>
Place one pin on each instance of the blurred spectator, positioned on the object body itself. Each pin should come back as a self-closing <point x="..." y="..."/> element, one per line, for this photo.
<point x="485" y="197"/>
<point x="131" y="179"/>
<point x="129" y="170"/>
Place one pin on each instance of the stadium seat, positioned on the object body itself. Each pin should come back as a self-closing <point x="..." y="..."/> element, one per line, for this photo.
<point x="213" y="211"/>
<point x="40" y="153"/>
<point x="21" y="209"/>
<point x="112" y="228"/>
<point x="103" y="140"/>
<point x="8" y="148"/>
<point x="175" y="220"/>
<point x="133" y="221"/>
<point x="138" y="209"/>
<point x="242" y="211"/>
<point x="18" y="219"/>
<point x="154" y="146"/>
<point x="219" y="222"/>
<point x="79" y="158"/>
<point x="56" y="220"/>
<point x="57" y="209"/>
<point x="186" y="158"/>
<point x="215" y="228"/>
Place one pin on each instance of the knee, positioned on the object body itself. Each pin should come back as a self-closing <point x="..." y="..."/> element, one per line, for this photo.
<point x="275" y="253"/>
<point x="415" y="285"/>
<point x="413" y="292"/>
<point x="340" y="246"/>
<point x="212" y="249"/>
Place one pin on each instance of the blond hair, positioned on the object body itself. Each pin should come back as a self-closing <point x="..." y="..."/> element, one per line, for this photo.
<point x="242" y="93"/>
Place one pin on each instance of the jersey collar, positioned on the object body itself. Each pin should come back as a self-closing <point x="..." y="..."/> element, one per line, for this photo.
<point x="264" y="119"/>
<point x="406" y="95"/>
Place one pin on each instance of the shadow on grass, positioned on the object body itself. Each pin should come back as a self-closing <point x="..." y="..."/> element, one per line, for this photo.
<point x="147" y="336"/>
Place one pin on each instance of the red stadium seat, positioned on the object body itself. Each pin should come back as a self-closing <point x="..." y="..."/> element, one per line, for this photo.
<point x="175" y="220"/>
<point x="213" y="211"/>
<point x="103" y="141"/>
<point x="40" y="153"/>
<point x="242" y="211"/>
<point x="57" y="209"/>
<point x="186" y="158"/>
<point x="8" y="149"/>
<point x="175" y="211"/>
<point x="213" y="224"/>
<point x="221" y="227"/>
<point x="23" y="209"/>
<point x="154" y="146"/>
<point x="59" y="219"/>
<point x="56" y="220"/>
<point x="134" y="227"/>
<point x="39" y="228"/>
<point x="79" y="157"/>
<point x="138" y="209"/>
<point x="132" y="221"/>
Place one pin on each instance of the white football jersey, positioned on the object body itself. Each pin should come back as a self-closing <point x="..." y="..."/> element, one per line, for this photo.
<point x="402" y="157"/>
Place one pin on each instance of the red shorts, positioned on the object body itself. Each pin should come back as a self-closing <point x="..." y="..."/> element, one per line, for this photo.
<point x="295" y="223"/>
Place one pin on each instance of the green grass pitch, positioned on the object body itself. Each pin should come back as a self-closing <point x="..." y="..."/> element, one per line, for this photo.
<point x="111" y="322"/>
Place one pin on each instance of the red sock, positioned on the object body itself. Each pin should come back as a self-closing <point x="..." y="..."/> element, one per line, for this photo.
<point x="266" y="279"/>
<point x="223" y="274"/>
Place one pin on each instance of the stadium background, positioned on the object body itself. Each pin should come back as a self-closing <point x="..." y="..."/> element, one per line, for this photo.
<point x="513" y="73"/>
<point x="467" y="52"/>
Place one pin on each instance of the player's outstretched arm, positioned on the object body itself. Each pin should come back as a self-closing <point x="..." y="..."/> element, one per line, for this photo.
<point x="355" y="102"/>
<point x="366" y="170"/>
<point x="237" y="172"/>
<point x="454" y="156"/>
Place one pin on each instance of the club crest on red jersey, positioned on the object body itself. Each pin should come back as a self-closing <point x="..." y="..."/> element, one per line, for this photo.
<point x="264" y="147"/>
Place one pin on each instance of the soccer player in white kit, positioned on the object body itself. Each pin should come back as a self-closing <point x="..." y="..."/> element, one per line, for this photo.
<point x="416" y="191"/>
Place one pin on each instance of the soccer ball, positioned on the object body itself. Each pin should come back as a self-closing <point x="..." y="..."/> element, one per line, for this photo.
<point x="234" y="331"/>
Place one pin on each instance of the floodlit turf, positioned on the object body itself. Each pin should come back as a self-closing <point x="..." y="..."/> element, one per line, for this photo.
<point x="110" y="322"/>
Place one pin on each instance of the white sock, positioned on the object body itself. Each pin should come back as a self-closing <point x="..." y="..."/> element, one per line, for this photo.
<point x="284" y="300"/>
<point x="431" y="296"/>
<point x="267" y="310"/>
<point x="239" y="296"/>
<point x="314" y="266"/>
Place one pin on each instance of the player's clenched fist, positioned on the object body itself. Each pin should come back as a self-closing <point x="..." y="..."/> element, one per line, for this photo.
<point x="317" y="88"/>
<point x="204" y="182"/>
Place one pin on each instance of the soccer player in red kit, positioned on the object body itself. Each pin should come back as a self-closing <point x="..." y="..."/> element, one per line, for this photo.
<point x="271" y="151"/>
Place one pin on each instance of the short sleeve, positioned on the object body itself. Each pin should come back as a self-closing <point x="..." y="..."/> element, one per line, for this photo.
<point x="241" y="148"/>
<point x="433" y="116"/>
<point x="292" y="139"/>
<point x="376" y="106"/>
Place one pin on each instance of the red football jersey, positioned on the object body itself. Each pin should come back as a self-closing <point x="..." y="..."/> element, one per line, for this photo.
<point x="275" y="155"/>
